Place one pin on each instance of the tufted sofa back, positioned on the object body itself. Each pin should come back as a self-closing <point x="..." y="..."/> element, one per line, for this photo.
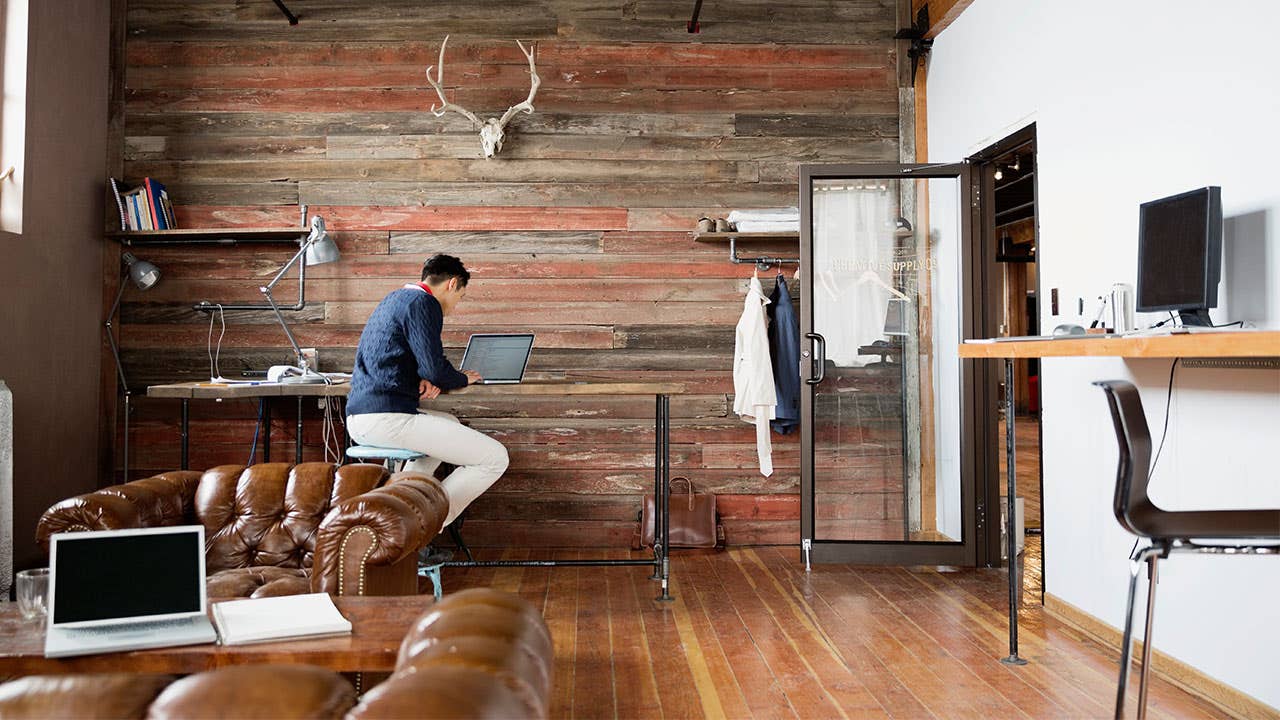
<point x="268" y="514"/>
<point x="160" y="500"/>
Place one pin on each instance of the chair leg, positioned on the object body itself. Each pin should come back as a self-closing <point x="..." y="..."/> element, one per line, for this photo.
<point x="1152" y="579"/>
<point x="1126" y="647"/>
<point x="456" y="534"/>
<point x="435" y="582"/>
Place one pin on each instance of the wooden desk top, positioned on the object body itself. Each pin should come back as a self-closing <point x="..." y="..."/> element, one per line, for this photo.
<point x="378" y="626"/>
<point x="567" y="386"/>
<point x="1261" y="343"/>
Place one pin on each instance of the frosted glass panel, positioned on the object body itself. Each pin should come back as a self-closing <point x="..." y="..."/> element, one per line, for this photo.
<point x="880" y="447"/>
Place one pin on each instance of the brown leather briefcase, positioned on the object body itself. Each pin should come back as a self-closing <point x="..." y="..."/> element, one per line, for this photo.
<point x="693" y="518"/>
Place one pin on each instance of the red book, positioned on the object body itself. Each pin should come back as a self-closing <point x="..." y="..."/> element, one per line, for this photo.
<point x="154" y="190"/>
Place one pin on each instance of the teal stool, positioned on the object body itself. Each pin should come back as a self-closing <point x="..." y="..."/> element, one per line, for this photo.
<point x="430" y="560"/>
<point x="389" y="456"/>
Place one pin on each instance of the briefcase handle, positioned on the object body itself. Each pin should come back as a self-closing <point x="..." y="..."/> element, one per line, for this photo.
<point x="688" y="485"/>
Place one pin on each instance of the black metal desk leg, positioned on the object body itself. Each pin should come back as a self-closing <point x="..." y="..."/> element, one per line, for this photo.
<point x="657" y="488"/>
<point x="127" y="411"/>
<point x="186" y="431"/>
<point x="297" y="446"/>
<point x="346" y="434"/>
<point x="266" y="426"/>
<point x="664" y="412"/>
<point x="1011" y="541"/>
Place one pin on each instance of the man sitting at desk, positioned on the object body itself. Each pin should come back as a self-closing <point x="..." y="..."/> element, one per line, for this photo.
<point x="399" y="360"/>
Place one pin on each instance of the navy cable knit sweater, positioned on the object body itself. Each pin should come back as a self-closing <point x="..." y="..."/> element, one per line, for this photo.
<point x="400" y="345"/>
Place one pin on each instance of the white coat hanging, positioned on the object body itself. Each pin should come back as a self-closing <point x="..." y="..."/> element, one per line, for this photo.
<point x="754" y="397"/>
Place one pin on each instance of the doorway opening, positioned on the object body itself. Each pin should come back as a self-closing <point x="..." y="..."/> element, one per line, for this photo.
<point x="1008" y="230"/>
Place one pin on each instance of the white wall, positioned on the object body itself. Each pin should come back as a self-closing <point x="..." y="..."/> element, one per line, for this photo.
<point x="1133" y="101"/>
<point x="944" y="237"/>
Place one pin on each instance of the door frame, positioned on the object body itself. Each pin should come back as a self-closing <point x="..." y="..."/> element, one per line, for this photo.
<point x="974" y="380"/>
<point x="986" y="415"/>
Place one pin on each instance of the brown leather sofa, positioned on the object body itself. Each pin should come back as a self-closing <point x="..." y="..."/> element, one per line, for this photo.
<point x="479" y="653"/>
<point x="280" y="529"/>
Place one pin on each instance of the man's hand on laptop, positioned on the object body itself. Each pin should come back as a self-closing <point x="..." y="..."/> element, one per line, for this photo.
<point x="426" y="390"/>
<point x="472" y="376"/>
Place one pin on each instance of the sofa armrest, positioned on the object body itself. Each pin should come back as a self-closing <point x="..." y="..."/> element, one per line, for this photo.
<point x="478" y="653"/>
<point x="256" y="691"/>
<point x="382" y="528"/>
<point x="97" y="695"/>
<point x="160" y="500"/>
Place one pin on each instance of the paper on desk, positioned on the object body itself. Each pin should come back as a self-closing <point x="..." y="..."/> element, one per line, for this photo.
<point x="278" y="618"/>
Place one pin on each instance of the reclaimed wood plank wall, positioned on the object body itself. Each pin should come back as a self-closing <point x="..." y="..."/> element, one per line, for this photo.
<point x="577" y="231"/>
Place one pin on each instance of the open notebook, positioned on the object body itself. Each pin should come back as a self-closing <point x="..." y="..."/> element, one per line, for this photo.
<point x="278" y="618"/>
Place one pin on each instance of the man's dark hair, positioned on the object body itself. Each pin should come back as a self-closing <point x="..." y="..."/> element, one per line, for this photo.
<point x="439" y="268"/>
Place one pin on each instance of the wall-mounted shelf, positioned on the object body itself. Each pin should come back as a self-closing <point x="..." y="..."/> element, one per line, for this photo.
<point x="208" y="236"/>
<point x="734" y="237"/>
<point x="719" y="236"/>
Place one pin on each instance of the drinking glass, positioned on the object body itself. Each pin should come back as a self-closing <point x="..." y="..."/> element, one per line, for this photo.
<point x="33" y="592"/>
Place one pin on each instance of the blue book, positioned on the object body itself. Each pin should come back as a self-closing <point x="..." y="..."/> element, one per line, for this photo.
<point x="154" y="189"/>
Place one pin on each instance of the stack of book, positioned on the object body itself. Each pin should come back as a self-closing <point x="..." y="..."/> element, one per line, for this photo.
<point x="145" y="207"/>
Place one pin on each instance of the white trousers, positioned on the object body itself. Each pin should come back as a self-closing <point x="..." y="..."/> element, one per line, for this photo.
<point x="481" y="460"/>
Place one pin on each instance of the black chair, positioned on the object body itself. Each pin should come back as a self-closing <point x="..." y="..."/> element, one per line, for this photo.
<point x="1169" y="532"/>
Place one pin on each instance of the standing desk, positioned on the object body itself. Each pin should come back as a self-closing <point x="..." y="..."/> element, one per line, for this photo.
<point x="1242" y="344"/>
<point x="662" y="392"/>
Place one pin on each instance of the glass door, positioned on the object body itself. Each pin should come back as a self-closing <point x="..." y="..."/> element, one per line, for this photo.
<point x="885" y="263"/>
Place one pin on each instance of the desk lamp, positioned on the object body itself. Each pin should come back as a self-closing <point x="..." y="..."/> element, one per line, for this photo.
<point x="144" y="276"/>
<point x="315" y="249"/>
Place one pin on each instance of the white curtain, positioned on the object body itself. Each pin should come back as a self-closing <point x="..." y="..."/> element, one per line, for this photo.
<point x="853" y="238"/>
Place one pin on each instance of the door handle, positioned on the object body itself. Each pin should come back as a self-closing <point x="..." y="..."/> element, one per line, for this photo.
<point x="819" y="357"/>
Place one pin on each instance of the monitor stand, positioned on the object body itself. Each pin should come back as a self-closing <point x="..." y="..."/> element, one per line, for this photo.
<point x="1195" y="318"/>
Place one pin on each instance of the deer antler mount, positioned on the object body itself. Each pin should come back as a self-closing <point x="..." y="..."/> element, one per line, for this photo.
<point x="492" y="130"/>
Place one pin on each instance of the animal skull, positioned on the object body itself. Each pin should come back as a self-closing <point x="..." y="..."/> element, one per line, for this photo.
<point x="492" y="131"/>
<point x="491" y="134"/>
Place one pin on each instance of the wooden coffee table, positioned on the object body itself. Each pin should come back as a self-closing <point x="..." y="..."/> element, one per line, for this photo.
<point x="378" y="626"/>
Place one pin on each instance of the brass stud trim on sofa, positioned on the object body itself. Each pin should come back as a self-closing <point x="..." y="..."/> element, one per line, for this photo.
<point x="342" y="554"/>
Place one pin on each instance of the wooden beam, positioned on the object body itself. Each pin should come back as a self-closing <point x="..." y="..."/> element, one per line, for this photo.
<point x="941" y="13"/>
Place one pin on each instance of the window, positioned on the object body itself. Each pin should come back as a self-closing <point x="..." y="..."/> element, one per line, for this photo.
<point x="13" y="111"/>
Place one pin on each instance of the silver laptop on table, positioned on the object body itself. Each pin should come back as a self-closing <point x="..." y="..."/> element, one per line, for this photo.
<point x="117" y="590"/>
<point x="500" y="358"/>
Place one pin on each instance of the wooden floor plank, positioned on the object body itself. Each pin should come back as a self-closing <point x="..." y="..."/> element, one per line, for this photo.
<point x="562" y="620"/>
<point x="593" y="678"/>
<point x="729" y="696"/>
<point x="789" y="665"/>
<point x="926" y="615"/>
<point x="1075" y="657"/>
<point x="992" y="620"/>
<point x="677" y="692"/>
<point x="924" y="669"/>
<point x="535" y="582"/>
<point x="948" y="623"/>
<point x="751" y="634"/>
<point x="796" y="616"/>
<point x="889" y="691"/>
<point x="635" y="689"/>
<point x="760" y="689"/>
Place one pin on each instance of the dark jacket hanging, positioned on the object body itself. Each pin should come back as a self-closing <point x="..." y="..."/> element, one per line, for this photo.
<point x="784" y="348"/>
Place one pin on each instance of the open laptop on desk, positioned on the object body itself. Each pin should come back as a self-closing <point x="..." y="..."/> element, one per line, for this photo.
<point x="118" y="590"/>
<point x="500" y="358"/>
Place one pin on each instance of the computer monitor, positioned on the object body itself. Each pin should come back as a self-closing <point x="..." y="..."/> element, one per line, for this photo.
<point x="1180" y="254"/>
